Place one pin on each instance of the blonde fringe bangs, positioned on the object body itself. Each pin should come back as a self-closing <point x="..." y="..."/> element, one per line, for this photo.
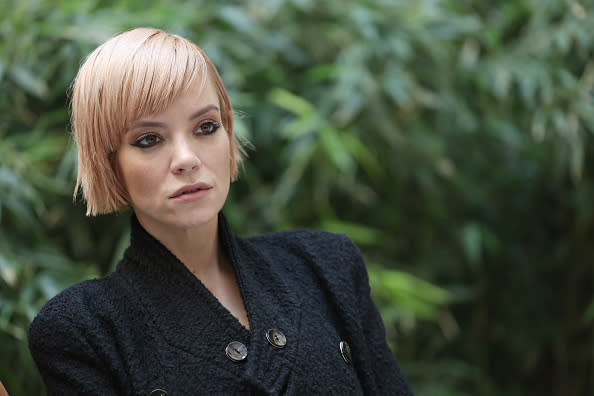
<point x="130" y="76"/>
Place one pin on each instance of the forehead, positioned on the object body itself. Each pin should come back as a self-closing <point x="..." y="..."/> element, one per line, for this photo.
<point x="199" y="97"/>
<point x="154" y="78"/>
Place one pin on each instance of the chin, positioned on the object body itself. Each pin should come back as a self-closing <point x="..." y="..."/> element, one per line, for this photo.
<point x="157" y="221"/>
<point x="188" y="221"/>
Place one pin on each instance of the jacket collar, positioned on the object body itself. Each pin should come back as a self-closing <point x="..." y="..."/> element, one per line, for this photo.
<point x="187" y="313"/>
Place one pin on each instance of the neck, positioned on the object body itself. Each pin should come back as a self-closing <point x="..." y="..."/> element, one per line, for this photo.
<point x="196" y="247"/>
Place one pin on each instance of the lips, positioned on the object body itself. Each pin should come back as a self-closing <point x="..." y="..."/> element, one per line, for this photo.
<point x="190" y="189"/>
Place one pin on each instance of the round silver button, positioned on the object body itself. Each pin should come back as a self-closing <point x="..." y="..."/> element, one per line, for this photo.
<point x="276" y="338"/>
<point x="236" y="351"/>
<point x="345" y="351"/>
<point x="158" y="392"/>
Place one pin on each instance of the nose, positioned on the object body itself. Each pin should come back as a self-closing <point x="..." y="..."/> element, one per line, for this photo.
<point x="184" y="158"/>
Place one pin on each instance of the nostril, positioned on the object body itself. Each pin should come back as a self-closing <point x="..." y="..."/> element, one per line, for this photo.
<point x="185" y="161"/>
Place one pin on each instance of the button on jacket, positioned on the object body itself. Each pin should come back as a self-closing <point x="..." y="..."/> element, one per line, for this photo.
<point x="152" y="327"/>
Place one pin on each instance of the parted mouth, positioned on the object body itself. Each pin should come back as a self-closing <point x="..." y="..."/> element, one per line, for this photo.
<point x="190" y="189"/>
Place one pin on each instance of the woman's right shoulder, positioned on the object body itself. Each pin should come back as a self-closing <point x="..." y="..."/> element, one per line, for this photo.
<point x="74" y="338"/>
<point x="82" y="304"/>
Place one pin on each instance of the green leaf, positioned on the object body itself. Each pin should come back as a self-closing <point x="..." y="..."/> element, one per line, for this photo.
<point x="333" y="146"/>
<point x="291" y="102"/>
<point x="29" y="81"/>
<point x="359" y="233"/>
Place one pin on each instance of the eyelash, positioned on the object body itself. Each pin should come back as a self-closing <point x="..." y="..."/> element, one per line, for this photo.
<point x="139" y="142"/>
<point x="215" y="127"/>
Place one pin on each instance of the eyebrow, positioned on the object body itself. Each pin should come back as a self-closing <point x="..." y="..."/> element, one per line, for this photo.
<point x="150" y="124"/>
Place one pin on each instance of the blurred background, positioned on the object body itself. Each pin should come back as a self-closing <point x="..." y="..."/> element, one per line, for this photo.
<point x="450" y="139"/>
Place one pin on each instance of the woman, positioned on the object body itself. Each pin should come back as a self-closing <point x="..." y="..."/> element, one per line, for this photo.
<point x="191" y="308"/>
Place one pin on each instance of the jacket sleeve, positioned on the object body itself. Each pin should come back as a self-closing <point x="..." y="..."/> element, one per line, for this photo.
<point x="67" y="361"/>
<point x="371" y="354"/>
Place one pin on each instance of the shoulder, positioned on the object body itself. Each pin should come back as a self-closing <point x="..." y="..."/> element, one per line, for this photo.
<point x="311" y="240"/>
<point x="329" y="255"/>
<point x="83" y="296"/>
<point x="80" y="306"/>
<point x="315" y="243"/>
<point x="76" y="337"/>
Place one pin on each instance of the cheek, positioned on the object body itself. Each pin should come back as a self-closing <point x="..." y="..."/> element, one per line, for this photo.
<point x="140" y="179"/>
<point x="225" y="159"/>
<point x="218" y="157"/>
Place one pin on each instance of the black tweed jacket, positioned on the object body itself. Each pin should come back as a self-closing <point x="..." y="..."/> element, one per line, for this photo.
<point x="152" y="328"/>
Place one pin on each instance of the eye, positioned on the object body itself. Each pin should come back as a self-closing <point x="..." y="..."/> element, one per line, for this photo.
<point x="207" y="128"/>
<point x="147" y="141"/>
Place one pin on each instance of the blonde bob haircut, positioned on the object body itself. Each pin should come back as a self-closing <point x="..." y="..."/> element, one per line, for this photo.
<point x="130" y="76"/>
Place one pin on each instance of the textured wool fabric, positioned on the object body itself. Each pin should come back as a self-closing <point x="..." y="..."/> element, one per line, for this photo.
<point x="153" y="325"/>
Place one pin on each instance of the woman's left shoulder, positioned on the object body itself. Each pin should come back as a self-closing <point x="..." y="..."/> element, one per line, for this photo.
<point x="326" y="252"/>
<point x="312" y="241"/>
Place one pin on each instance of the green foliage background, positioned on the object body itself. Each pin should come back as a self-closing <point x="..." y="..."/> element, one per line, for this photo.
<point x="451" y="139"/>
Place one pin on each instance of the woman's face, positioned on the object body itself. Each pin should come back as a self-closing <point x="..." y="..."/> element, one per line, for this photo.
<point x="176" y="165"/>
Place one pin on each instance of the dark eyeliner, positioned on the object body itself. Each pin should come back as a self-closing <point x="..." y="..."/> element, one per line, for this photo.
<point x="138" y="142"/>
<point x="215" y="127"/>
